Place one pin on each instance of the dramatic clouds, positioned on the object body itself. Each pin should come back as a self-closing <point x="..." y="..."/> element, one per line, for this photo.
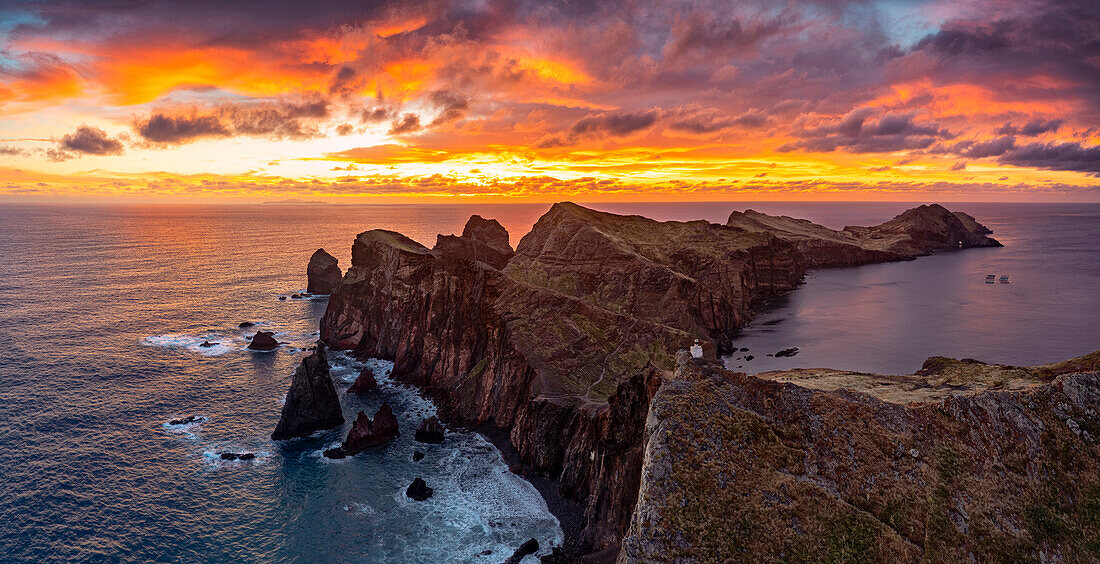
<point x="1056" y="156"/>
<point x="861" y="132"/>
<point x="699" y="90"/>
<point x="160" y="128"/>
<point x="85" y="141"/>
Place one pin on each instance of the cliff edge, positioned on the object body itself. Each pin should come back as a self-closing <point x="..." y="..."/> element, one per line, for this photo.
<point x="963" y="461"/>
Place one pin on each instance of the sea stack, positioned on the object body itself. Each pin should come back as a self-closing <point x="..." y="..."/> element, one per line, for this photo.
<point x="323" y="273"/>
<point x="312" y="403"/>
<point x="430" y="431"/>
<point x="364" y="383"/>
<point x="264" y="341"/>
<point x="367" y="432"/>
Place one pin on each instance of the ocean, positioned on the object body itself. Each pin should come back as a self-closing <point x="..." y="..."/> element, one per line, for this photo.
<point x="102" y="309"/>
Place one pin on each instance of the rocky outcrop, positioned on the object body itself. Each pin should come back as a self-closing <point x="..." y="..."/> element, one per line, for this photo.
<point x="367" y="432"/>
<point x="312" y="403"/>
<point x="236" y="455"/>
<point x="263" y="341"/>
<point x="430" y="431"/>
<point x="364" y="383"/>
<point x="563" y="342"/>
<point x="323" y="273"/>
<point x="482" y="240"/>
<point x="418" y="490"/>
<point x="968" y="462"/>
<point x="531" y="546"/>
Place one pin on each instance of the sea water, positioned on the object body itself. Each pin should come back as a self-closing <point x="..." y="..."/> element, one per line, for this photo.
<point x="103" y="310"/>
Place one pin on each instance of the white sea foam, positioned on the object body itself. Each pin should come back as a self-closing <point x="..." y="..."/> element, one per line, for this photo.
<point x="221" y="343"/>
<point x="211" y="456"/>
<point x="227" y="341"/>
<point x="476" y="502"/>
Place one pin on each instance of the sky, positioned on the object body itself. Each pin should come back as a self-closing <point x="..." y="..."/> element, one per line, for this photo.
<point x="486" y="100"/>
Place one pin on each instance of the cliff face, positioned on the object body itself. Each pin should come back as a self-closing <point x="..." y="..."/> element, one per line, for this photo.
<point x="563" y="341"/>
<point x="962" y="462"/>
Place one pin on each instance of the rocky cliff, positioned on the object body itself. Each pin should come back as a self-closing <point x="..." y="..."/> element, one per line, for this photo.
<point x="917" y="231"/>
<point x="562" y="342"/>
<point x="963" y="461"/>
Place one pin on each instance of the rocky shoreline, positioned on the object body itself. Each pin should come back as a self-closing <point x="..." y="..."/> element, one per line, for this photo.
<point x="562" y="343"/>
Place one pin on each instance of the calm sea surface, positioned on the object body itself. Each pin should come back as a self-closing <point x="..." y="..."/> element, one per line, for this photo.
<point x="102" y="310"/>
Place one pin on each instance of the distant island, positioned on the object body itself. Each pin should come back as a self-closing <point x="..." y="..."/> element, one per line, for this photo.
<point x="569" y="350"/>
<point x="295" y="201"/>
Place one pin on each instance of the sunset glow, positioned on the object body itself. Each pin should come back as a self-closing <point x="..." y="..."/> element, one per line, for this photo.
<point x="408" y="101"/>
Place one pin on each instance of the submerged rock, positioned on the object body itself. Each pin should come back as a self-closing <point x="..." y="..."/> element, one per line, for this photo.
<point x="529" y="547"/>
<point x="787" y="352"/>
<point x="418" y="490"/>
<point x="187" y="420"/>
<point x="430" y="431"/>
<point x="364" y="383"/>
<point x="323" y="273"/>
<point x="336" y="453"/>
<point x="367" y="432"/>
<point x="312" y="403"/>
<point x="263" y="341"/>
<point x="237" y="455"/>
<point x="207" y="344"/>
<point x="418" y="456"/>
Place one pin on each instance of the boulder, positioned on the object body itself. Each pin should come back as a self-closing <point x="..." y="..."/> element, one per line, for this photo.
<point x="418" y="490"/>
<point x="263" y="341"/>
<point x="787" y="352"/>
<point x="207" y="344"/>
<point x="529" y="547"/>
<point x="312" y="403"/>
<point x="418" y="456"/>
<point x="367" y="432"/>
<point x="364" y="383"/>
<point x="430" y="431"/>
<point x="322" y="273"/>
<point x="246" y="324"/>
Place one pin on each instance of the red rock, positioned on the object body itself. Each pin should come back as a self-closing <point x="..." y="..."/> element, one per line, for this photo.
<point x="367" y="432"/>
<point x="364" y="383"/>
